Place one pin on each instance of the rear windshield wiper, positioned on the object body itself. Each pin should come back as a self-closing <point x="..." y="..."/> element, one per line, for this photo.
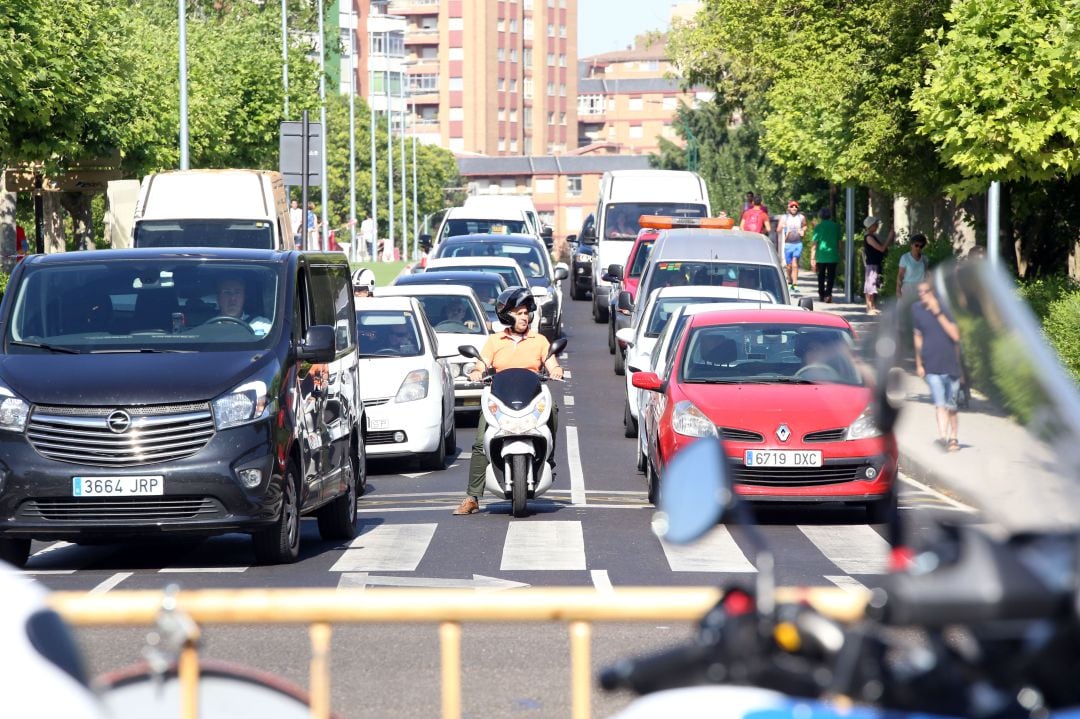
<point x="46" y="347"/>
<point x="137" y="350"/>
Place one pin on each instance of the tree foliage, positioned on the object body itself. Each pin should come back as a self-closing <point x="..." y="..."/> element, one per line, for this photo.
<point x="1000" y="97"/>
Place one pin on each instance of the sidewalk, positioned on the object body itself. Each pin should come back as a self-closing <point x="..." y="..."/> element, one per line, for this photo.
<point x="989" y="442"/>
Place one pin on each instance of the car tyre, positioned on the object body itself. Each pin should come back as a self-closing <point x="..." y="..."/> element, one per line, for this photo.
<point x="451" y="437"/>
<point x="612" y="348"/>
<point x="337" y="520"/>
<point x="620" y="362"/>
<point x="575" y="293"/>
<point x="280" y="542"/>
<point x="435" y="461"/>
<point x="15" y="551"/>
<point x="878" y="511"/>
<point x="641" y="459"/>
<point x="599" y="314"/>
<point x="628" y="421"/>
<point x="652" y="477"/>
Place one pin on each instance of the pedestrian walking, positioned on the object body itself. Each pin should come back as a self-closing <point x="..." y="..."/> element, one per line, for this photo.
<point x="296" y="221"/>
<point x="825" y="242"/>
<point x="937" y="360"/>
<point x="873" y="256"/>
<point x="790" y="230"/>
<point x="913" y="267"/>
<point x="312" y="228"/>
<point x="756" y="219"/>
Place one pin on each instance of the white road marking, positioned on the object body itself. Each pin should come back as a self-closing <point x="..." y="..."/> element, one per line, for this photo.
<point x="201" y="570"/>
<point x="353" y="580"/>
<point x="545" y="546"/>
<point x="715" y="552"/>
<point x="577" y="476"/>
<point x="855" y="548"/>
<point x="566" y="374"/>
<point x="111" y="582"/>
<point x="960" y="506"/>
<point x="845" y="582"/>
<point x="386" y="548"/>
<point x="413" y="475"/>
<point x="448" y="507"/>
<point x="602" y="581"/>
<point x="46" y="572"/>
<point x="568" y="400"/>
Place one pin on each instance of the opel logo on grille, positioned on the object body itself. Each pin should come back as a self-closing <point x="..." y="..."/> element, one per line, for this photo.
<point x="119" y="421"/>
<point x="782" y="433"/>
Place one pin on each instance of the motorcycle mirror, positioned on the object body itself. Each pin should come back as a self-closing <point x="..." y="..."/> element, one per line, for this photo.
<point x="468" y="351"/>
<point x="557" y="347"/>
<point x="696" y="493"/>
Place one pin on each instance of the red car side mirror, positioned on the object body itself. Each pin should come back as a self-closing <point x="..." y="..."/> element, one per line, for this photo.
<point x="648" y="381"/>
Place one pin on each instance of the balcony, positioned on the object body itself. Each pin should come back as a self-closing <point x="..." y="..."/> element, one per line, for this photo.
<point x="422" y="36"/>
<point x="414" y="7"/>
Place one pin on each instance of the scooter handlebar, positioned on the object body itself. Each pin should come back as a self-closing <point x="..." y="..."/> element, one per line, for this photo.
<point x="677" y="667"/>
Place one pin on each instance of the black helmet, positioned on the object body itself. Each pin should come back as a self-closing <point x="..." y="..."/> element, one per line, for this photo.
<point x="510" y="300"/>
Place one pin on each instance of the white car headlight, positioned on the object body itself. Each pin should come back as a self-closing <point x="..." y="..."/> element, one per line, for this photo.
<point x="13" y="411"/>
<point x="247" y="403"/>
<point x="863" y="427"/>
<point x="413" y="387"/>
<point x="689" y="421"/>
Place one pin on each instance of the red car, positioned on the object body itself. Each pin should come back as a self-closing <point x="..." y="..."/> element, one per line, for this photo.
<point x="781" y="389"/>
<point x="628" y="282"/>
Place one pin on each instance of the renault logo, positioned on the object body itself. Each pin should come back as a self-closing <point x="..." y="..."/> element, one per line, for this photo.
<point x="782" y="433"/>
<point x="119" y="421"/>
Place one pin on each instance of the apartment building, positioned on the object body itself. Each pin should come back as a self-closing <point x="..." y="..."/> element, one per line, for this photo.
<point x="628" y="99"/>
<point x="564" y="188"/>
<point x="492" y="77"/>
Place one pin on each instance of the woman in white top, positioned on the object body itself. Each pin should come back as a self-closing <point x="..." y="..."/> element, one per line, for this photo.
<point x="913" y="266"/>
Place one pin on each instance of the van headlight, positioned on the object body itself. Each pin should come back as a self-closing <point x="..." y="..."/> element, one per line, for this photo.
<point x="413" y="387"/>
<point x="247" y="403"/>
<point x="689" y="421"/>
<point x="863" y="427"/>
<point x="14" y="411"/>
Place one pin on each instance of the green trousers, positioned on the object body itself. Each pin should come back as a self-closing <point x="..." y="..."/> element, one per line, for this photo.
<point x="478" y="464"/>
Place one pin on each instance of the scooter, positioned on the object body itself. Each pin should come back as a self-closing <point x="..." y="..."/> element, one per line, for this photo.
<point x="517" y="404"/>
<point x="980" y="616"/>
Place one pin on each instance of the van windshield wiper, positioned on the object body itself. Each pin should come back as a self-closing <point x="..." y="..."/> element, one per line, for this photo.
<point x="137" y="350"/>
<point x="47" y="347"/>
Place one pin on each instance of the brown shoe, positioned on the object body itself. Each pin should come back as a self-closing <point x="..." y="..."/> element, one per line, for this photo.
<point x="469" y="505"/>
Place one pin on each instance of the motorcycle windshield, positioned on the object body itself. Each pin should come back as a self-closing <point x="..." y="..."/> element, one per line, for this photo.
<point x="987" y="420"/>
<point x="515" y="388"/>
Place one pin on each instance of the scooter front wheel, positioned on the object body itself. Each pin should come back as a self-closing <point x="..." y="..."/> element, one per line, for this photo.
<point x="519" y="471"/>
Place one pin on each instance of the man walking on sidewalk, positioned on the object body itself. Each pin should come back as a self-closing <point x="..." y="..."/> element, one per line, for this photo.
<point x="937" y="359"/>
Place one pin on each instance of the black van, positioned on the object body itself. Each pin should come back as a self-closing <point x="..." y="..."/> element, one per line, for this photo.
<point x="192" y="391"/>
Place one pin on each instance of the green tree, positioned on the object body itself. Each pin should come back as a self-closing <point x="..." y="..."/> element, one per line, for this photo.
<point x="1000" y="97"/>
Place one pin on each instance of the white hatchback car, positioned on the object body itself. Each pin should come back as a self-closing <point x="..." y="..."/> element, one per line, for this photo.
<point x="407" y="387"/>
<point x="505" y="267"/>
<point x="659" y="307"/>
<point x="458" y="319"/>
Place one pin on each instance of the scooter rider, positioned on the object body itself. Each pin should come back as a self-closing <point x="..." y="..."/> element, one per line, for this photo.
<point x="363" y="282"/>
<point x="516" y="346"/>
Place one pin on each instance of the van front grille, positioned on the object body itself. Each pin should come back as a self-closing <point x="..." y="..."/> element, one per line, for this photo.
<point x="120" y="437"/>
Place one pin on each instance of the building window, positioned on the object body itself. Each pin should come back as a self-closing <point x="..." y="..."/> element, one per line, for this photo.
<point x="500" y="25"/>
<point x="457" y="114"/>
<point x="500" y="54"/>
<point x="590" y="105"/>
<point x="573" y="185"/>
<point x="502" y="114"/>
<point x="562" y="90"/>
<point x="346" y="42"/>
<point x="546" y="185"/>
<point x="650" y="65"/>
<point x="455" y="23"/>
<point x="379" y="84"/>
<point x="637" y="104"/>
<point x="551" y="118"/>
<point x="637" y="132"/>
<point x="513" y="115"/>
<point x="513" y="146"/>
<point x="562" y="60"/>
<point x="562" y="119"/>
<point x="513" y="85"/>
<point x="551" y="88"/>
<point x="526" y="56"/>
<point x="527" y="27"/>
<point x="429" y="113"/>
<point x="551" y="30"/>
<point x="502" y="145"/>
<point x="428" y="82"/>
<point x="527" y="88"/>
<point x="513" y="24"/>
<point x="500" y="84"/>
<point x="513" y="54"/>
<point x="388" y="43"/>
<point x="528" y="120"/>
<point x="562" y="31"/>
<point x="527" y="5"/>
<point x="551" y="58"/>
<point x="456" y="84"/>
<point x="671" y="103"/>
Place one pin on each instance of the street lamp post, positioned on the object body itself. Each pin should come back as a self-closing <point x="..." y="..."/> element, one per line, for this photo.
<point x="285" y="53"/>
<point x="325" y="189"/>
<point x="389" y="148"/>
<point x="374" y="240"/>
<point x="416" y="226"/>
<point x="352" y="134"/>
<point x="183" y="86"/>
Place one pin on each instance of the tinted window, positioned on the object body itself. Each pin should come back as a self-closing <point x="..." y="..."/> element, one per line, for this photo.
<point x="641" y="259"/>
<point x="149" y="304"/>
<point x="529" y="257"/>
<point x="388" y="333"/>
<point x="451" y="314"/>
<point x="509" y="274"/>
<point x="453" y="228"/>
<point x="716" y="274"/>
<point x="253" y="234"/>
<point x="332" y="301"/>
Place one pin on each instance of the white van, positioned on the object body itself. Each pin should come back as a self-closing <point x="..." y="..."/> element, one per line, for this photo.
<point x="512" y="202"/>
<point x="213" y="208"/>
<point x="483" y="221"/>
<point x="625" y="195"/>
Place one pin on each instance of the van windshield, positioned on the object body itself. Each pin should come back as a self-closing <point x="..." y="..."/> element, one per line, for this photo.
<point x="453" y="228"/>
<point x="715" y="274"/>
<point x="621" y="218"/>
<point x="144" y="305"/>
<point x="248" y="234"/>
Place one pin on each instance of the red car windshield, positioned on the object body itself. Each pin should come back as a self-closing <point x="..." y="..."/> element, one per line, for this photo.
<point x="769" y="354"/>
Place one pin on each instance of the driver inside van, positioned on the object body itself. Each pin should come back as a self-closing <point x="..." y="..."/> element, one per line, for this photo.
<point x="231" y="295"/>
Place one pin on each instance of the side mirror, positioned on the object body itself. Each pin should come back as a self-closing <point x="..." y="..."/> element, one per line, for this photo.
<point x="625" y="302"/>
<point x="557" y="347"/>
<point x="626" y="336"/>
<point x="615" y="271"/>
<point x="648" y="381"/>
<point x="588" y="237"/>
<point x="468" y="351"/>
<point x="807" y="303"/>
<point x="571" y="239"/>
<point x="547" y="233"/>
<point x="561" y="271"/>
<point x="697" y="492"/>
<point x="318" y="345"/>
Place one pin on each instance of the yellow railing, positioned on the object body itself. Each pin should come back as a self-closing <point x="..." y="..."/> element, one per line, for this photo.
<point x="320" y="608"/>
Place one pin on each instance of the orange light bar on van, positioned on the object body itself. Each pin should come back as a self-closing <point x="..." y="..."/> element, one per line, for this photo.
<point x="663" y="222"/>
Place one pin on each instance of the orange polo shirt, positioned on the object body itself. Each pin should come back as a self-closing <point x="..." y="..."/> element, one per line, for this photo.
<point x="502" y="351"/>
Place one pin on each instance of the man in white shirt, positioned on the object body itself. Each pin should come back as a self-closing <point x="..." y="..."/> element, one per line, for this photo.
<point x="230" y="297"/>
<point x="296" y="219"/>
